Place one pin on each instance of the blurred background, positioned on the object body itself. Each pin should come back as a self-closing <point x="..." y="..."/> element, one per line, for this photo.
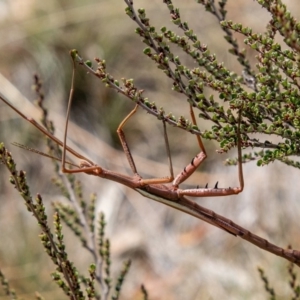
<point x="174" y="255"/>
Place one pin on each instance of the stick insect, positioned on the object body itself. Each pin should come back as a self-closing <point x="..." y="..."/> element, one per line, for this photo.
<point x="166" y="189"/>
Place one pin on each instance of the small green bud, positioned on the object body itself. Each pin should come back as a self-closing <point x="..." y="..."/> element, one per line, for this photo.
<point x="89" y="63"/>
<point x="73" y="53"/>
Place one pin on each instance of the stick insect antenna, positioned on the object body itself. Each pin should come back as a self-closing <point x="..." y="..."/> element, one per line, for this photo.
<point x="42" y="153"/>
<point x="42" y="129"/>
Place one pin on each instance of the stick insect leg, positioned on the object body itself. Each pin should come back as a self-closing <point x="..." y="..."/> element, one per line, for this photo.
<point x="130" y="158"/>
<point x="196" y="161"/>
<point x="85" y="165"/>
<point x="206" y="192"/>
